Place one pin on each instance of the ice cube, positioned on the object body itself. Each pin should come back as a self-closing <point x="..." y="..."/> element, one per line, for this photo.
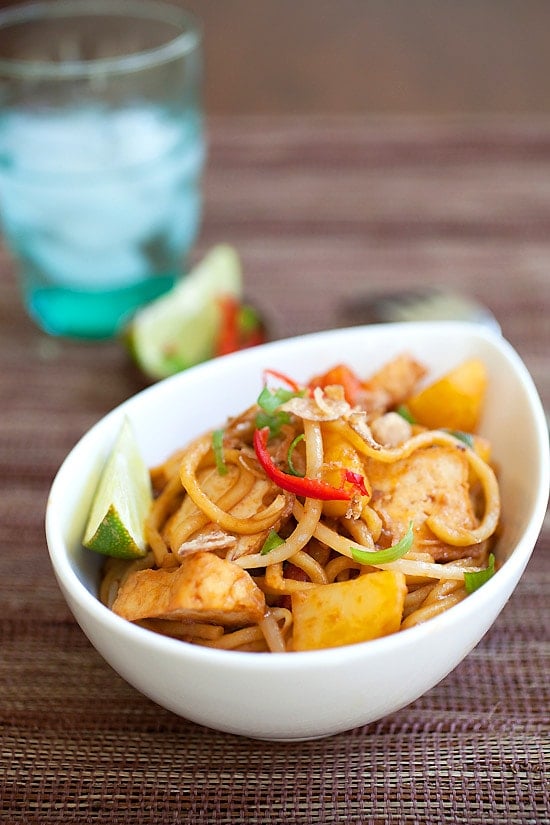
<point x="105" y="268"/>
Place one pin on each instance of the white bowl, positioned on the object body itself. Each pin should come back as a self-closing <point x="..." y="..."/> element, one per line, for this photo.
<point x="316" y="693"/>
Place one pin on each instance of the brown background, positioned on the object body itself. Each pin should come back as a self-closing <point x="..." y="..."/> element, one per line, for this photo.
<point x="341" y="56"/>
<point x="438" y="56"/>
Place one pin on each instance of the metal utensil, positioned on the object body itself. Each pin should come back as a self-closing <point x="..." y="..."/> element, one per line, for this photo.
<point x="422" y="304"/>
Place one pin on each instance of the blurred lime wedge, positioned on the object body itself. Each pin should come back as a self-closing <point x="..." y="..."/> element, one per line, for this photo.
<point x="180" y="329"/>
<point x="121" y="502"/>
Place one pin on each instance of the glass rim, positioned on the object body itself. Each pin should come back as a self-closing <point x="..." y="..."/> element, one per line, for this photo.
<point x="40" y="11"/>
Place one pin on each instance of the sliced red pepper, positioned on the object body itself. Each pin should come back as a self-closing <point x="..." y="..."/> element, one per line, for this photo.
<point x="300" y="485"/>
<point x="228" y="340"/>
<point x="345" y="377"/>
<point x="234" y="335"/>
<point x="282" y="377"/>
<point x="255" y="338"/>
<point x="357" y="480"/>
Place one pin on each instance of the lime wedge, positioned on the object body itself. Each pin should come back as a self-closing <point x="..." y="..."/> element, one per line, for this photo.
<point x="179" y="329"/>
<point x="121" y="502"/>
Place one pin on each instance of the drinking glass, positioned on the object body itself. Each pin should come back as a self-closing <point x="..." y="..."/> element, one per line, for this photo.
<point x="101" y="154"/>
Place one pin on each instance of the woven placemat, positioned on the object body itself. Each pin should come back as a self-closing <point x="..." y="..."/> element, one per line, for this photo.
<point x="353" y="205"/>
<point x="79" y="745"/>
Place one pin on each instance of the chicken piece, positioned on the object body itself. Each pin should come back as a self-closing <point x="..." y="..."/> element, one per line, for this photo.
<point x="391" y="429"/>
<point x="392" y="384"/>
<point x="431" y="480"/>
<point x="204" y="588"/>
<point x="210" y="540"/>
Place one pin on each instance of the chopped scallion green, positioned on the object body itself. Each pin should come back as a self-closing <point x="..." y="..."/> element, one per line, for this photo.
<point x="272" y="541"/>
<point x="466" y="438"/>
<point x="217" y="446"/>
<point x="269" y="400"/>
<point x="385" y="556"/>
<point x="273" y="421"/>
<point x="248" y="318"/>
<point x="269" y="415"/>
<point x="405" y="413"/>
<point x="291" y="449"/>
<point x="472" y="581"/>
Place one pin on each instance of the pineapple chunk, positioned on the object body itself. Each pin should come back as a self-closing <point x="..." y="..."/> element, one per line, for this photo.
<point x="397" y="378"/>
<point x="454" y="401"/>
<point x="431" y="481"/>
<point x="347" y="612"/>
<point x="339" y="455"/>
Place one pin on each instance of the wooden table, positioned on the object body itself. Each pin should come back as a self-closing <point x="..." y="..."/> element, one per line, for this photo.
<point x="325" y="212"/>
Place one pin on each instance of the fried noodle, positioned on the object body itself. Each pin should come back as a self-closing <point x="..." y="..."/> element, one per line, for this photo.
<point x="231" y="514"/>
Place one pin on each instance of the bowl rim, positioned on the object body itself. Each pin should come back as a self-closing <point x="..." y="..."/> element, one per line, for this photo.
<point x="504" y="582"/>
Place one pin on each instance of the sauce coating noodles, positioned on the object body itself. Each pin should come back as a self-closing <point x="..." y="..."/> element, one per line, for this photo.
<point x="320" y="516"/>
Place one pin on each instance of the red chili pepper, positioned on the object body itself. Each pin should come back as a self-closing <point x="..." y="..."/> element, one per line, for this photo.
<point x="256" y="337"/>
<point x="282" y="377"/>
<point x="357" y="480"/>
<point x="345" y="377"/>
<point x="301" y="486"/>
<point x="228" y="340"/>
<point x="234" y="335"/>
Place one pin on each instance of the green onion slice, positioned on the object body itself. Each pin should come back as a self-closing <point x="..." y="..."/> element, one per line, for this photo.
<point x="269" y="401"/>
<point x="466" y="438"/>
<point x="405" y="413"/>
<point x="248" y="318"/>
<point x="272" y="541"/>
<point x="273" y="421"/>
<point x="217" y="446"/>
<point x="385" y="556"/>
<point x="472" y="581"/>
<point x="291" y="449"/>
